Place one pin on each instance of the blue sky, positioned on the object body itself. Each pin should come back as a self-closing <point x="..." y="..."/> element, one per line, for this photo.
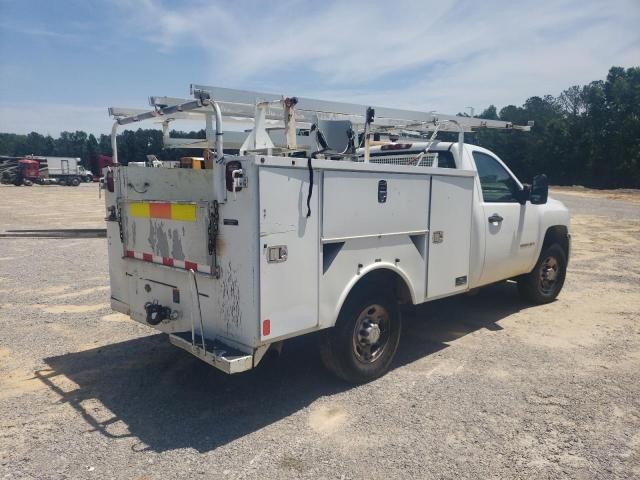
<point x="62" y="63"/>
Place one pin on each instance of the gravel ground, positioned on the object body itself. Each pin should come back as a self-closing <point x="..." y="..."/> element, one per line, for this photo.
<point x="483" y="386"/>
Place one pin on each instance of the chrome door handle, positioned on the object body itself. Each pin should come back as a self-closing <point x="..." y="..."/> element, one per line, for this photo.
<point x="495" y="218"/>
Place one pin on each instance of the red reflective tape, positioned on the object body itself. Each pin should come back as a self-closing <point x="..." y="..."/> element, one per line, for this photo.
<point x="170" y="262"/>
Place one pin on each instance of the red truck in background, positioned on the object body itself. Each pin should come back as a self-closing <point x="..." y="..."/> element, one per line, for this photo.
<point x="27" y="172"/>
<point x="24" y="172"/>
<point x="20" y="171"/>
<point x="99" y="164"/>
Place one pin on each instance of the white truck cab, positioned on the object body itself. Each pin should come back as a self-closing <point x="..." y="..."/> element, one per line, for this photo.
<point x="511" y="225"/>
<point x="279" y="241"/>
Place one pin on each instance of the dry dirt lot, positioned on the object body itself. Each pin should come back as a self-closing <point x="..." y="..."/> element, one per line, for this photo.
<point x="483" y="386"/>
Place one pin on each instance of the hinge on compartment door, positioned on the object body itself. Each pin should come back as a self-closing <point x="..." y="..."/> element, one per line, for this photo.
<point x="214" y="221"/>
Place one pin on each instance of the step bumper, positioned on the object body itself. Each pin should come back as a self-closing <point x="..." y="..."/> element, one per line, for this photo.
<point x="217" y="354"/>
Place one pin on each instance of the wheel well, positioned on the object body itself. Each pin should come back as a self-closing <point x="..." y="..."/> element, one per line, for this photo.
<point x="557" y="234"/>
<point x="383" y="278"/>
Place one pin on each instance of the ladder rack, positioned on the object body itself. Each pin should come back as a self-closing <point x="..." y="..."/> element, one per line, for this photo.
<point x="269" y="112"/>
<point x="307" y="109"/>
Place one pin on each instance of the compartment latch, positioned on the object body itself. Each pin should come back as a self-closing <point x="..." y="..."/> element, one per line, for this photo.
<point x="277" y="254"/>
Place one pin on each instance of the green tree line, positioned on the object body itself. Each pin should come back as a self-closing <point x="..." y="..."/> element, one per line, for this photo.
<point x="133" y="145"/>
<point x="588" y="135"/>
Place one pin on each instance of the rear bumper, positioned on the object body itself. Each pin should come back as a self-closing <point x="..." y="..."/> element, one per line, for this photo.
<point x="214" y="352"/>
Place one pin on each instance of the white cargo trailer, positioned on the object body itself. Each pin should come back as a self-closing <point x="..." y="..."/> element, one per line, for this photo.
<point x="282" y="240"/>
<point x="67" y="170"/>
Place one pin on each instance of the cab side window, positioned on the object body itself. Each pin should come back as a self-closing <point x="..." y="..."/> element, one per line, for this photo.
<point x="497" y="185"/>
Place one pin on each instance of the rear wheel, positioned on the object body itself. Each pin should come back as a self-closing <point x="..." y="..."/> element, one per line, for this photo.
<point x="75" y="181"/>
<point x="544" y="282"/>
<point x="365" y="338"/>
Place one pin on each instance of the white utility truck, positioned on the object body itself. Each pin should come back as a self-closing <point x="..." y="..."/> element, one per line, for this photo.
<point x="332" y="233"/>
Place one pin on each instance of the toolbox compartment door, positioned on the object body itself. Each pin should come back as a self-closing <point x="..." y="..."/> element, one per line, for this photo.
<point x="289" y="252"/>
<point x="449" y="235"/>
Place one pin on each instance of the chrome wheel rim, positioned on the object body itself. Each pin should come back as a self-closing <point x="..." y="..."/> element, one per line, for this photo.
<point x="549" y="273"/>
<point x="371" y="333"/>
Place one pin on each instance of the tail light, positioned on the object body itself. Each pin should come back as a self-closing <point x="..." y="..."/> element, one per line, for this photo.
<point x="266" y="328"/>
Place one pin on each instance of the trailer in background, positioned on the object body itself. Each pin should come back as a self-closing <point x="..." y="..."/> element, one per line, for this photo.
<point x="67" y="171"/>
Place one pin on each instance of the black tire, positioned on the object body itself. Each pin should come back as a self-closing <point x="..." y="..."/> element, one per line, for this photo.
<point x="74" y="182"/>
<point x="62" y="182"/>
<point x="544" y="282"/>
<point x="342" y="349"/>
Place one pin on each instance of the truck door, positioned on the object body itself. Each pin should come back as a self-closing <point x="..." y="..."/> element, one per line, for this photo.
<point x="511" y="229"/>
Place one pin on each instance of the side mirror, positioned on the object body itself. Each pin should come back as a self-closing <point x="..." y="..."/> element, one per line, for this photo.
<point x="539" y="190"/>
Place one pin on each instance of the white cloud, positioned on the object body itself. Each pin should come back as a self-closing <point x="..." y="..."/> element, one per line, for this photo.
<point x="443" y="55"/>
<point x="448" y="54"/>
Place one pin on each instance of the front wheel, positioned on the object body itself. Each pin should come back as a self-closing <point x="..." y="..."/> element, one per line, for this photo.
<point x="362" y="344"/>
<point x="544" y="282"/>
